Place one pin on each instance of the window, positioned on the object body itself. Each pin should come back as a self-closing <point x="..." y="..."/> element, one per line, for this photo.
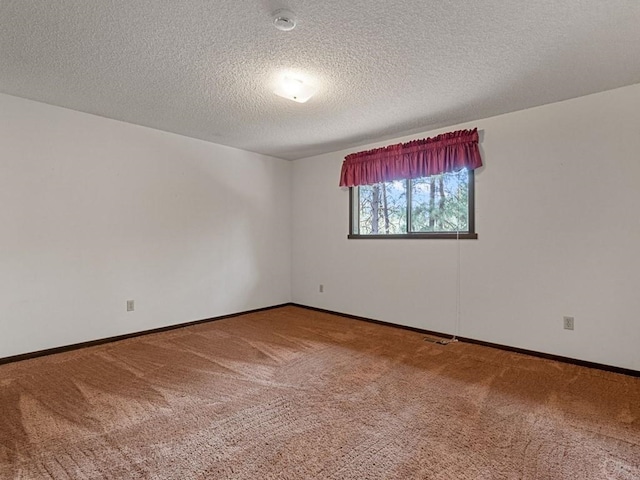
<point x="438" y="206"/>
<point x="418" y="189"/>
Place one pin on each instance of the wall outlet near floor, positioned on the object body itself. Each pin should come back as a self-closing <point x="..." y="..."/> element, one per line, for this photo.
<point x="131" y="305"/>
<point x="321" y="288"/>
<point x="568" y="323"/>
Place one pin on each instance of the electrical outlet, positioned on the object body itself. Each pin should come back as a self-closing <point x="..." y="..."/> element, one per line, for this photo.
<point x="321" y="288"/>
<point x="130" y="306"/>
<point x="568" y="323"/>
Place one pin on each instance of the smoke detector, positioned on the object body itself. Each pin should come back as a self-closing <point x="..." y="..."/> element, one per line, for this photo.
<point x="284" y="20"/>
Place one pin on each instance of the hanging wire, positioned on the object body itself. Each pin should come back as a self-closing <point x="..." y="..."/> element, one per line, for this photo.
<point x="458" y="281"/>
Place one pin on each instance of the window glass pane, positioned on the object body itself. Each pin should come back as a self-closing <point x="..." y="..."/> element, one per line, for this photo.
<point x="440" y="203"/>
<point x="383" y="208"/>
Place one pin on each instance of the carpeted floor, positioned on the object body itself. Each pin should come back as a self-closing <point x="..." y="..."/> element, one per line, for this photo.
<point x="296" y="394"/>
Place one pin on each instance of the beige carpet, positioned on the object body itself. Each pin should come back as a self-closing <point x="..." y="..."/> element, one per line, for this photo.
<point x="296" y="394"/>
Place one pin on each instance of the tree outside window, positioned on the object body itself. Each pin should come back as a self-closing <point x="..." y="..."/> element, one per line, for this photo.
<point x="439" y="206"/>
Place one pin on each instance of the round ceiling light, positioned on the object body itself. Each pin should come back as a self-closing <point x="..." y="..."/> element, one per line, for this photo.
<point x="284" y="20"/>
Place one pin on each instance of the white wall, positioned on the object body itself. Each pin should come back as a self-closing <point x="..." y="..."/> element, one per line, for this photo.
<point x="558" y="218"/>
<point x="94" y="212"/>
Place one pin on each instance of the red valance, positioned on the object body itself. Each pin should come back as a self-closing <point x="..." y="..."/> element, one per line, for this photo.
<point x="448" y="152"/>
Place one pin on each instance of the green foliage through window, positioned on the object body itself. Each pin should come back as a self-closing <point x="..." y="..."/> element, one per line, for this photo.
<point x="430" y="205"/>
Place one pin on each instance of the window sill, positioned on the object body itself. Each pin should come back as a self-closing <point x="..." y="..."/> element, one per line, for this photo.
<point x="416" y="236"/>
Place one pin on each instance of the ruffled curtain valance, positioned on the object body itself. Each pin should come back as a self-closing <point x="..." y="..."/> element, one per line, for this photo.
<point x="448" y="152"/>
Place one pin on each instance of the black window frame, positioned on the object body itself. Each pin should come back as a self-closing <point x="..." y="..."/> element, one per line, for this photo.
<point x="468" y="235"/>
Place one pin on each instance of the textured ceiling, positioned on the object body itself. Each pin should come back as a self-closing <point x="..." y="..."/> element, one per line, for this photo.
<point x="383" y="68"/>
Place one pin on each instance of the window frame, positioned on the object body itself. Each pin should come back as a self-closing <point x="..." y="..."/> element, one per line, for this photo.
<point x="470" y="235"/>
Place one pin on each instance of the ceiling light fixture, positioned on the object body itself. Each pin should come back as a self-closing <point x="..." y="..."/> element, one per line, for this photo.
<point x="295" y="89"/>
<point x="284" y="20"/>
